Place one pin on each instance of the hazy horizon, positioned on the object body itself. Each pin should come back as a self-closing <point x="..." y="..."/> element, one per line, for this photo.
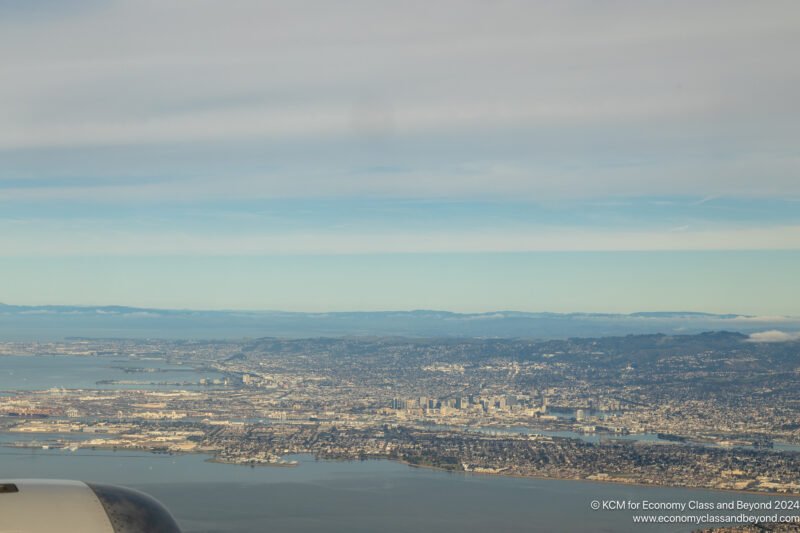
<point x="24" y="323"/>
<point x="488" y="311"/>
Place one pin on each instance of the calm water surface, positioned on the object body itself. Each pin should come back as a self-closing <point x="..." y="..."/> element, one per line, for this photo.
<point x="330" y="496"/>
<point x="46" y="372"/>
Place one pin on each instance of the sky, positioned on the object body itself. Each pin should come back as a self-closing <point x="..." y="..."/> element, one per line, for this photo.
<point x="470" y="156"/>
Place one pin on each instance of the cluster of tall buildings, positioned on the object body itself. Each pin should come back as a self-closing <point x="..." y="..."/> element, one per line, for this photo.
<point x="502" y="403"/>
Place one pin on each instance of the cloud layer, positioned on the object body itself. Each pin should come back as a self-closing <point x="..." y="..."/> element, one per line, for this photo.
<point x="387" y="154"/>
<point x="102" y="241"/>
<point x="774" y="336"/>
<point x="472" y="98"/>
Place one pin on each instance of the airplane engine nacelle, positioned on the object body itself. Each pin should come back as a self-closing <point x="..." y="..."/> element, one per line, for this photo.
<point x="48" y="506"/>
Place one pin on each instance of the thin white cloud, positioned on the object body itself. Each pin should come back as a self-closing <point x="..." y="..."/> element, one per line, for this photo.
<point x="764" y="318"/>
<point x="774" y="336"/>
<point x="54" y="242"/>
<point x="332" y="176"/>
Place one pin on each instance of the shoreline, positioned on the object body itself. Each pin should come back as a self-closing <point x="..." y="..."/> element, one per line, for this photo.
<point x="213" y="459"/>
<point x="792" y="495"/>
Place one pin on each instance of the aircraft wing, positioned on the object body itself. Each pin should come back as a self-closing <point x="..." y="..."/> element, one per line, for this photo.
<point x="49" y="506"/>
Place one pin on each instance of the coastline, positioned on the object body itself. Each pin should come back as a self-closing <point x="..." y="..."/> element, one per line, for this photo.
<point x="792" y="495"/>
<point x="214" y="459"/>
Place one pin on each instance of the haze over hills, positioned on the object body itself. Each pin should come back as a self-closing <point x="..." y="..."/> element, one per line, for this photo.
<point x="52" y="322"/>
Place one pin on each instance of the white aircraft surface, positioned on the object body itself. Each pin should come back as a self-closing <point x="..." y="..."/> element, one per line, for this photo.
<point x="62" y="506"/>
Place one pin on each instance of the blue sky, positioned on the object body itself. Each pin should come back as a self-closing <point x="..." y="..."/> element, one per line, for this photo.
<point x="459" y="155"/>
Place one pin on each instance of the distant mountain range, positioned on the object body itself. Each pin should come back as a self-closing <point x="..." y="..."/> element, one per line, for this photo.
<point x="50" y="322"/>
